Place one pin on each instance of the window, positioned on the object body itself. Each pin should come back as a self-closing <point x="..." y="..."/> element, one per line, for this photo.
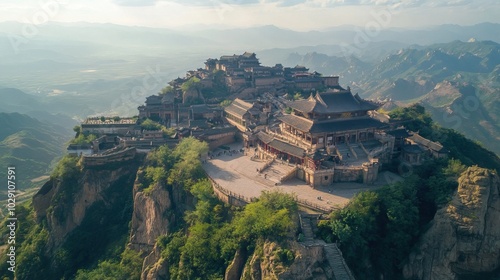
<point x="326" y="178"/>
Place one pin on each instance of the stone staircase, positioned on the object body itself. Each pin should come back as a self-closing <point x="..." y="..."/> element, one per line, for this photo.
<point x="342" y="150"/>
<point x="337" y="263"/>
<point x="276" y="171"/>
<point x="307" y="231"/>
<point x="359" y="151"/>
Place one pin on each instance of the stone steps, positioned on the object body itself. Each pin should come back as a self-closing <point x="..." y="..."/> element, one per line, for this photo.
<point x="307" y="229"/>
<point x="359" y="151"/>
<point x="334" y="257"/>
<point x="276" y="171"/>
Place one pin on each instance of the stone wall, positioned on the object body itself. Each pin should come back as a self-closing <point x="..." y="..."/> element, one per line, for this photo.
<point x="115" y="157"/>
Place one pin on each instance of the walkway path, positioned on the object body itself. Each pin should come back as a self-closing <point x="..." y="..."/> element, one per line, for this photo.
<point x="332" y="253"/>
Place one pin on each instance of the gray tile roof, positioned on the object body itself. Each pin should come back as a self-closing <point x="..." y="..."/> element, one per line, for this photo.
<point x="306" y="125"/>
<point x="238" y="107"/>
<point x="435" y="146"/>
<point x="344" y="125"/>
<point x="287" y="148"/>
<point x="280" y="145"/>
<point x="219" y="130"/>
<point x="299" y="123"/>
<point x="264" y="137"/>
<point x="333" y="102"/>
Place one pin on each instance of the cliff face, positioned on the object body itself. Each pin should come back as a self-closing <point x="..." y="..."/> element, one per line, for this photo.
<point x="154" y="213"/>
<point x="64" y="203"/>
<point x="464" y="238"/>
<point x="309" y="263"/>
<point x="150" y="218"/>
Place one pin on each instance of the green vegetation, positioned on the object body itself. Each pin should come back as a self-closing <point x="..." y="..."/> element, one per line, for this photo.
<point x="377" y="229"/>
<point x="206" y="241"/>
<point x="167" y="90"/>
<point x="29" y="145"/>
<point x="467" y="151"/>
<point x="192" y="84"/>
<point x="83" y="139"/>
<point x="297" y="96"/>
<point x="213" y="236"/>
<point x="149" y="124"/>
<point x="225" y="103"/>
<point x="31" y="239"/>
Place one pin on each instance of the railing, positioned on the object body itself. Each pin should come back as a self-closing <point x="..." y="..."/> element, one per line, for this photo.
<point x="301" y="202"/>
<point x="229" y="193"/>
<point x="364" y="149"/>
<point x="289" y="175"/>
<point x="294" y="140"/>
<point x="374" y="153"/>
<point x="314" y="206"/>
<point x="266" y="165"/>
<point x="352" y="150"/>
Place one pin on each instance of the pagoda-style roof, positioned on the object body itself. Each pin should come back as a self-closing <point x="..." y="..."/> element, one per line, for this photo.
<point x="333" y="102"/>
<point x="306" y="125"/>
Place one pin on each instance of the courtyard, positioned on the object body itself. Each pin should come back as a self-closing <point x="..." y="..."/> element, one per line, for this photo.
<point x="237" y="171"/>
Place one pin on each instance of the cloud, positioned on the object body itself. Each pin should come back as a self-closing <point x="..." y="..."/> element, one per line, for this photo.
<point x="135" y="3"/>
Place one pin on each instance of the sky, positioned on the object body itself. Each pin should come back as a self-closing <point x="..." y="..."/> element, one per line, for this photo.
<point x="300" y="15"/>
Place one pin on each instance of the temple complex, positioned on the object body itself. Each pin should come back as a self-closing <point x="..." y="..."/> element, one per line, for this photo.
<point x="331" y="135"/>
<point x="324" y="135"/>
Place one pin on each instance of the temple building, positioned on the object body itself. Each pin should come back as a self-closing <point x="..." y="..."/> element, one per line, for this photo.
<point x="160" y="108"/>
<point x="329" y="118"/>
<point x="247" y="115"/>
<point x="331" y="137"/>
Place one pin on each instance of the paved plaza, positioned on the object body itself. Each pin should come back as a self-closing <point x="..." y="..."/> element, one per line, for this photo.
<point x="237" y="173"/>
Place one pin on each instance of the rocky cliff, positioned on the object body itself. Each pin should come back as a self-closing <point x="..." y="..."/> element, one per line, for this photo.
<point x="270" y="261"/>
<point x="464" y="238"/>
<point x="64" y="202"/>
<point x="156" y="210"/>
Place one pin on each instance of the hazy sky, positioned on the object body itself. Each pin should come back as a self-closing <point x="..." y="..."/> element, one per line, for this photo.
<point x="292" y="14"/>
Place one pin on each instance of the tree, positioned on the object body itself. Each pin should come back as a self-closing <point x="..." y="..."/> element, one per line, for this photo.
<point x="192" y="84"/>
<point x="149" y="124"/>
<point x="225" y="103"/>
<point x="77" y="129"/>
<point x="167" y="90"/>
<point x="297" y="96"/>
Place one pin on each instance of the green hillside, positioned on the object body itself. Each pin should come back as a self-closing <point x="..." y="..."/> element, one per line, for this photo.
<point x="29" y="145"/>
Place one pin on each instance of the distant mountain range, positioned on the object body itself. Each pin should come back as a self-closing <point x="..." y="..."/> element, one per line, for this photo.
<point x="458" y="82"/>
<point x="30" y="145"/>
<point x="70" y="71"/>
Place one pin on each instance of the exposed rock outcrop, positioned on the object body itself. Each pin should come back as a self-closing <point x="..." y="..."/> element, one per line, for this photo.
<point x="235" y="269"/>
<point x="64" y="203"/>
<point x="154" y="266"/>
<point x="464" y="238"/>
<point x="155" y="211"/>
<point x="309" y="263"/>
<point x="150" y="218"/>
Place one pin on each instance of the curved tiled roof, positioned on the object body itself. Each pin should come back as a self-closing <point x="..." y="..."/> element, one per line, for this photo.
<point x="333" y="102"/>
<point x="306" y="125"/>
<point x="299" y="123"/>
<point x="280" y="145"/>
